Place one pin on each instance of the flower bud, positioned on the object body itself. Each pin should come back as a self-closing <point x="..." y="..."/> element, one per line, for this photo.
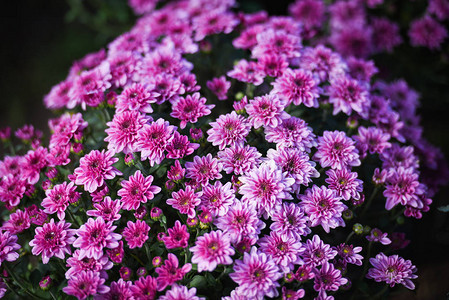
<point x="358" y="228"/>
<point x="125" y="273"/>
<point x="45" y="283"/>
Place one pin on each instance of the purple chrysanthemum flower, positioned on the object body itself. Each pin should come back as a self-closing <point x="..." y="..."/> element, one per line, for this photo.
<point x="170" y="272"/>
<point x="427" y="32"/>
<point x="328" y="278"/>
<point x="59" y="197"/>
<point x="94" y="236"/>
<point x="323" y="207"/>
<point x="361" y="69"/>
<point x="347" y="95"/>
<point x="277" y="42"/>
<point x="392" y="270"/>
<point x="190" y="108"/>
<point x="344" y="183"/>
<point x="336" y="150"/>
<point x="402" y="186"/>
<point x="123" y="130"/>
<point x="440" y="8"/>
<point x="145" y="288"/>
<point x="213" y="22"/>
<point x="136" y="233"/>
<point x="212" y="249"/>
<point x="290" y="221"/>
<point x="372" y="140"/>
<point x="18" y="222"/>
<point x="267" y="110"/>
<point x="53" y="239"/>
<point x="95" y="168"/>
<point x="228" y="130"/>
<point x="249" y="72"/>
<point x="322" y="62"/>
<point x="397" y="156"/>
<point x="180" y="146"/>
<point x="153" y="138"/>
<point x="283" y="249"/>
<point x="297" y="87"/>
<point x="219" y="86"/>
<point x="185" y="201"/>
<point x="272" y="65"/>
<point x="308" y="12"/>
<point x="203" y="169"/>
<point x="85" y="284"/>
<point x="240" y="221"/>
<point x="385" y="34"/>
<point x="292" y="132"/>
<point x="296" y="164"/>
<point x="137" y="190"/>
<point x="135" y="98"/>
<point x="256" y="275"/>
<point x="376" y="235"/>
<point x="217" y="198"/>
<point x="349" y="254"/>
<point x="8" y="247"/>
<point x="108" y="209"/>
<point x="265" y="187"/>
<point x="317" y="252"/>
<point x="177" y="237"/>
<point x="239" y="159"/>
<point x="180" y="292"/>
<point x="77" y="264"/>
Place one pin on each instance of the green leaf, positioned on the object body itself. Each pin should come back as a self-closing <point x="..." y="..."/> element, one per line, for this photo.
<point x="198" y="282"/>
<point x="444" y="208"/>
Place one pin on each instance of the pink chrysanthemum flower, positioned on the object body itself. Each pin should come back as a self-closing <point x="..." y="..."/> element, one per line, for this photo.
<point x="203" y="169"/>
<point x="165" y="87"/>
<point x="277" y="42"/>
<point x="297" y="87"/>
<point x="219" y="86"/>
<point x="292" y="132"/>
<point x="228" y="130"/>
<point x="190" y="108"/>
<point x="308" y="12"/>
<point x="322" y="62"/>
<point x="372" y="140"/>
<point x="122" y="67"/>
<point x="348" y="95"/>
<point x="323" y="207"/>
<point x="256" y="275"/>
<point x="94" y="168"/>
<point x="53" y="239"/>
<point x="266" y="187"/>
<point x="217" y="198"/>
<point x="249" y="72"/>
<point x="361" y="69"/>
<point x="290" y="221"/>
<point x="239" y="159"/>
<point x="284" y="250"/>
<point x="212" y="249"/>
<point x="12" y="189"/>
<point x="272" y="65"/>
<point x="170" y="272"/>
<point x="352" y="41"/>
<point x="213" y="22"/>
<point x="296" y="164"/>
<point x="58" y="97"/>
<point x="8" y="247"/>
<point x="185" y="201"/>
<point x="108" y="209"/>
<point x="240" y="221"/>
<point x="176" y="172"/>
<point x="385" y="35"/>
<point x="376" y="235"/>
<point x="317" y="252"/>
<point x="397" y="156"/>
<point x="137" y="190"/>
<point x="344" y="183"/>
<point x="402" y="186"/>
<point x="18" y="222"/>
<point x="33" y="162"/>
<point x="440" y="8"/>
<point x="85" y="284"/>
<point x="94" y="236"/>
<point x="135" y="98"/>
<point x="180" y="146"/>
<point x="76" y="264"/>
<point x="153" y="138"/>
<point x="136" y="233"/>
<point x="248" y="37"/>
<point x="176" y="237"/>
<point x="59" y="197"/>
<point x="328" y="278"/>
<point x="145" y="288"/>
<point x="427" y="32"/>
<point x="267" y="110"/>
<point x="119" y="290"/>
<point x="392" y="270"/>
<point x="180" y="292"/>
<point x="164" y="60"/>
<point x="336" y="150"/>
<point x="122" y="131"/>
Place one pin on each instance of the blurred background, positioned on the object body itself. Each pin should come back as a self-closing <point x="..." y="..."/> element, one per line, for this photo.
<point x="41" y="39"/>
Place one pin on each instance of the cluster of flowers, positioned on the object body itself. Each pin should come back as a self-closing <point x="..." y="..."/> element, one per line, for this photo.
<point x="253" y="196"/>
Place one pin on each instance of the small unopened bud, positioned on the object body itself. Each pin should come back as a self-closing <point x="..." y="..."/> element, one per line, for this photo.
<point x="125" y="273"/>
<point x="45" y="283"/>
<point x="156" y="213"/>
<point x="141" y="272"/>
<point x="358" y="228"/>
<point x="157" y="261"/>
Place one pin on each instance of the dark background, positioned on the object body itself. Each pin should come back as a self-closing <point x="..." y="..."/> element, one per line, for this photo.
<point x="41" y="39"/>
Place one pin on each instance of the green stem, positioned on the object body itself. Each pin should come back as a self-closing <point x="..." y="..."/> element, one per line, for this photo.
<point x="147" y="250"/>
<point x="380" y="293"/>
<point x="398" y="214"/>
<point x="349" y="237"/>
<point x="138" y="259"/>
<point x="370" y="200"/>
<point x="52" y="296"/>
<point x="365" y="267"/>
<point x="73" y="217"/>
